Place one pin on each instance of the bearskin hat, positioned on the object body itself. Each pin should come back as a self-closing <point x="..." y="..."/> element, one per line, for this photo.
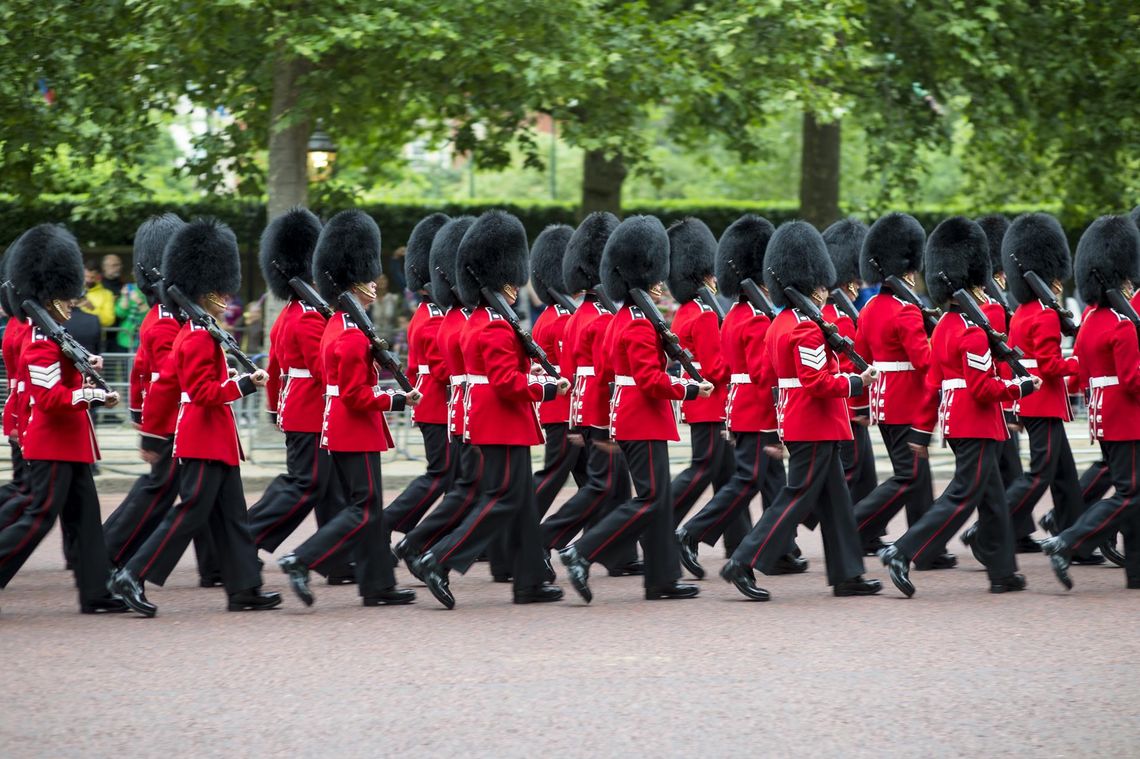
<point x="7" y="297"/>
<point x="995" y="225"/>
<point x="692" y="257"/>
<point x="492" y="253"/>
<point x="895" y="243"/>
<point x="635" y="256"/>
<point x="740" y="253"/>
<point x="1110" y="247"/>
<point x="46" y="264"/>
<point x="1035" y="241"/>
<point x="202" y="257"/>
<point x="287" y="249"/>
<point x="796" y="257"/>
<point x="959" y="251"/>
<point x="349" y="251"/>
<point x="1134" y="214"/>
<point x="417" y="271"/>
<point x="844" y="241"/>
<point x="546" y="261"/>
<point x="581" y="267"/>
<point x="444" y="248"/>
<point x="150" y="240"/>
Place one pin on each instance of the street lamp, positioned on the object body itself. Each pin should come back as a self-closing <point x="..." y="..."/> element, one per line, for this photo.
<point x="321" y="152"/>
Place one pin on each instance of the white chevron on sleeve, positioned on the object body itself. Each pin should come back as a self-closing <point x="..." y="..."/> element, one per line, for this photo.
<point x="816" y="358"/>
<point x="982" y="363"/>
<point x="44" y="376"/>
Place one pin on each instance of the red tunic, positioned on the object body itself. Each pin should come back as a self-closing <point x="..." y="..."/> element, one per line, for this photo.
<point x="426" y="357"/>
<point x="750" y="405"/>
<point x="16" y="337"/>
<point x="448" y="338"/>
<point x="140" y="369"/>
<point x="206" y="427"/>
<point x="1110" y="368"/>
<point x="58" y="426"/>
<point x="160" y="405"/>
<point x="590" y="400"/>
<point x="995" y="313"/>
<point x="549" y="332"/>
<point x="156" y="339"/>
<point x="697" y="329"/>
<point x="860" y="405"/>
<point x="355" y="404"/>
<point x="1036" y="330"/>
<point x="892" y="337"/>
<point x="296" y="356"/>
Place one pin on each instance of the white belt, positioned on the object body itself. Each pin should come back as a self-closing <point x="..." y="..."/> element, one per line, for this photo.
<point x="893" y="366"/>
<point x="11" y="385"/>
<point x="20" y="386"/>
<point x="154" y="376"/>
<point x="953" y="384"/>
<point x="584" y="371"/>
<point x="332" y="391"/>
<point x="741" y="379"/>
<point x="294" y="372"/>
<point x="458" y="379"/>
<point x="1029" y="363"/>
<point x="789" y="382"/>
<point x="423" y="369"/>
<point x="185" y="398"/>
<point x="1109" y="381"/>
<point x="624" y="380"/>
<point x="477" y="379"/>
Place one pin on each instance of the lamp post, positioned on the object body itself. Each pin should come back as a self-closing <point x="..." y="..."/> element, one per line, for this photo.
<point x="321" y="153"/>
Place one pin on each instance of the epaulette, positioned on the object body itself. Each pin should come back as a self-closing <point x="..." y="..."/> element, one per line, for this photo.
<point x="701" y="305"/>
<point x="348" y="322"/>
<point x="799" y="317"/>
<point x="492" y="314"/>
<point x="434" y="310"/>
<point x="305" y="306"/>
<point x="196" y="327"/>
<point x="560" y="310"/>
<point x="37" y="334"/>
<point x="636" y="313"/>
<point x="164" y="312"/>
<point x="600" y="308"/>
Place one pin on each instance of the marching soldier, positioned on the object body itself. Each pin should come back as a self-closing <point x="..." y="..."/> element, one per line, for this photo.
<point x="202" y="260"/>
<point x="353" y="430"/>
<point x="15" y="494"/>
<point x="813" y="418"/>
<point x="1107" y="268"/>
<point x="970" y="413"/>
<point x="636" y="256"/>
<point x="491" y="264"/>
<point x="58" y="438"/>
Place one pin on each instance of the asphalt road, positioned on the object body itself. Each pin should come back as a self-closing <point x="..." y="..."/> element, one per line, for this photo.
<point x="952" y="672"/>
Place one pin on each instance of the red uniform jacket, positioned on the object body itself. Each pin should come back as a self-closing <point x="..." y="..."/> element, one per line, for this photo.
<point x="972" y="390"/>
<point x="549" y="332"/>
<point x="58" y="426"/>
<point x="16" y="337"/>
<point x="425" y="355"/>
<point x="1110" y="368"/>
<point x="861" y="404"/>
<point x="355" y="404"/>
<point x="296" y="356"/>
<point x="995" y="313"/>
<point x="590" y="399"/>
<point x="812" y="403"/>
<point x="162" y="400"/>
<point x="751" y="407"/>
<point x="1036" y="330"/>
<point x="448" y="338"/>
<point x="206" y="427"/>
<point x="642" y="405"/>
<point x="501" y="392"/>
<point x="892" y="337"/>
<point x="696" y="326"/>
<point x="156" y="339"/>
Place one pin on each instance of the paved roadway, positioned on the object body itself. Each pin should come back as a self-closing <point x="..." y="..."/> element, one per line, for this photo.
<point x="951" y="672"/>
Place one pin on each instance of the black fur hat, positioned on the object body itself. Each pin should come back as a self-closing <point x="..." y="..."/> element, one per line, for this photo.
<point x="1134" y="214"/>
<point x="150" y="240"/>
<point x="959" y="249"/>
<point x="546" y="261"/>
<point x="844" y="241"/>
<point x="895" y="243"/>
<point x="444" y="248"/>
<point x="45" y="264"/>
<point x="581" y="267"/>
<point x="796" y="257"/>
<point x="692" y="257"/>
<point x="417" y="271"/>
<point x="6" y="293"/>
<point x="995" y="225"/>
<point x="1110" y="247"/>
<point x="349" y="250"/>
<point x="740" y="253"/>
<point x="202" y="257"/>
<point x="1035" y="241"/>
<point x="635" y="256"/>
<point x="492" y="253"/>
<point x="287" y="249"/>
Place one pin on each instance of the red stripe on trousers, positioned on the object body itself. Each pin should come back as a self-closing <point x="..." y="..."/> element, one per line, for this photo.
<point x="482" y="514"/>
<point x="958" y="508"/>
<point x="788" y="510"/>
<point x="354" y="530"/>
<point x="649" y="499"/>
<point x="177" y="521"/>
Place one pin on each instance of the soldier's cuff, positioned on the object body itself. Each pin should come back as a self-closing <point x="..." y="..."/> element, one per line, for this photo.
<point x="856" y="385"/>
<point x="919" y="437"/>
<point x="769" y="437"/>
<point x="399" y="401"/>
<point x="1010" y="415"/>
<point x="245" y="385"/>
<point x="1026" y="386"/>
<point x="152" y="443"/>
<point x="549" y="391"/>
<point x="272" y="417"/>
<point x="692" y="391"/>
<point x="136" y="416"/>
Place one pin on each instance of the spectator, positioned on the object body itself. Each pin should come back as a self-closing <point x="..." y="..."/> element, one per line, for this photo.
<point x="113" y="273"/>
<point x="387" y="306"/>
<point x="130" y="308"/>
<point x="99" y="300"/>
<point x="254" y="327"/>
<point x="86" y="329"/>
<point x="232" y="319"/>
<point x="396" y="269"/>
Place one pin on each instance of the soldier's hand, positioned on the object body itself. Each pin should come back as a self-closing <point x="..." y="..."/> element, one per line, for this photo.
<point x="111" y="399"/>
<point x="233" y="372"/>
<point x="706" y="389"/>
<point x="862" y="421"/>
<point x="1037" y="382"/>
<point x="576" y="439"/>
<point x="563" y="386"/>
<point x="869" y="376"/>
<point x="775" y="452"/>
<point x="259" y="378"/>
<point x="150" y="457"/>
<point x="96" y="363"/>
<point x="414" y="397"/>
<point x="920" y="451"/>
<point x="536" y="369"/>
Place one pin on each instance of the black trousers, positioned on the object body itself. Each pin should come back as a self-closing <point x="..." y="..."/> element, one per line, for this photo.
<point x="562" y="460"/>
<point x="910" y="486"/>
<point x="815" y="486"/>
<point x="18" y="485"/>
<point x="756" y="472"/>
<point x="63" y="490"/>
<point x="358" y="531"/>
<point x="648" y="516"/>
<point x="406" y="511"/>
<point x="708" y="466"/>
<point x="976" y="485"/>
<point x="858" y="459"/>
<point x="462" y="495"/>
<point x="307" y="485"/>
<point x="505" y="505"/>
<point x="212" y="498"/>
<point x="607" y="487"/>
<point x="143" y="510"/>
<point x="1116" y="513"/>
<point x="1009" y="461"/>
<point x="1095" y="481"/>
<point x="1051" y="467"/>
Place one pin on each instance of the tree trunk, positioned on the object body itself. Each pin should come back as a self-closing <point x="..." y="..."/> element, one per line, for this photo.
<point x="819" y="172"/>
<point x="602" y="179"/>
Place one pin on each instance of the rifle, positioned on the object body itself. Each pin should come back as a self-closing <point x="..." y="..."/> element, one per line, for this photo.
<point x="563" y="300"/>
<point x="835" y="341"/>
<point x="307" y="294"/>
<point x="603" y="298"/>
<point x="754" y="294"/>
<point x="500" y="306"/>
<point x="998" y="346"/>
<point x="844" y="305"/>
<point x="1118" y="302"/>
<point x="708" y="297"/>
<point x="68" y="345"/>
<point x="381" y="351"/>
<point x="1045" y="294"/>
<point x="154" y="277"/>
<point x="1000" y="297"/>
<point x="669" y="340"/>
<point x="198" y="315"/>
<point x="902" y="290"/>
